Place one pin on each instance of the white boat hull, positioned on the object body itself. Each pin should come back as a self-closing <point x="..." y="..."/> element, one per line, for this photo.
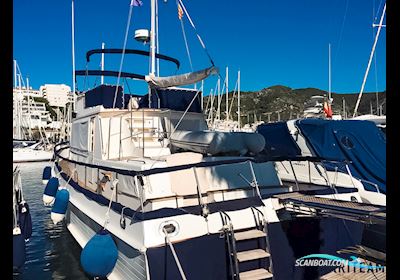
<point x="30" y="155"/>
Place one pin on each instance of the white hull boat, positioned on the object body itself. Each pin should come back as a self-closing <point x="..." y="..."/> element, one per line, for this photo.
<point x="166" y="208"/>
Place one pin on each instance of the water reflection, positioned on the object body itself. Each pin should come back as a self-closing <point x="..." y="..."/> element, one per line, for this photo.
<point x="52" y="252"/>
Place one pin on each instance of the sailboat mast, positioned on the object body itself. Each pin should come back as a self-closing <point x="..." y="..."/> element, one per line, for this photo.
<point x="329" y="92"/>
<point x="29" y="108"/>
<point x="202" y="95"/>
<point x="227" y="95"/>
<point x="344" y="109"/>
<point x="370" y="60"/>
<point x="19" y="116"/>
<point x="27" y="92"/>
<point x="15" y="73"/>
<point x="219" y="99"/>
<point x="239" y="98"/>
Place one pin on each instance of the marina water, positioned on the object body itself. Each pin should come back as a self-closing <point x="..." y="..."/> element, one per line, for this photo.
<point x="51" y="253"/>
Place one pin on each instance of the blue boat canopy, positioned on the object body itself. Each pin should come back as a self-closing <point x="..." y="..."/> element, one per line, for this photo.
<point x="278" y="141"/>
<point x="104" y="95"/>
<point x="177" y="99"/>
<point x="359" y="142"/>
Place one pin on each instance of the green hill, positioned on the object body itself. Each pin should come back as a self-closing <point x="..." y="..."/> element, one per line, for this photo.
<point x="282" y="102"/>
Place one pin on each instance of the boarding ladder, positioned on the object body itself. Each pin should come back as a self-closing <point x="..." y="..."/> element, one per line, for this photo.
<point x="248" y="250"/>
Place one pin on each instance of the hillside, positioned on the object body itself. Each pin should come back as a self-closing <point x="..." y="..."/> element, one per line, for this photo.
<point x="285" y="103"/>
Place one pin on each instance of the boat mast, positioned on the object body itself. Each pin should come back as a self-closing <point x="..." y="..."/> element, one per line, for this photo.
<point x="73" y="54"/>
<point x="344" y="109"/>
<point x="29" y="109"/>
<point x="329" y="92"/>
<point x="72" y="104"/>
<point x="152" y="44"/>
<point x="15" y="99"/>
<point x="153" y="37"/>
<point x="19" y="108"/>
<point x="102" y="63"/>
<point x="202" y="95"/>
<point x="15" y="73"/>
<point x="370" y="60"/>
<point x="219" y="99"/>
<point x="227" y="95"/>
<point x="239" y="99"/>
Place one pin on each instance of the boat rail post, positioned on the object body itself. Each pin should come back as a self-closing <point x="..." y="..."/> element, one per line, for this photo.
<point x="120" y="139"/>
<point x="204" y="208"/>
<point x="143" y="130"/>
<point x="139" y="193"/>
<point x="328" y="180"/>
<point x="294" y="174"/>
<point x="109" y="138"/>
<point x="255" y="183"/>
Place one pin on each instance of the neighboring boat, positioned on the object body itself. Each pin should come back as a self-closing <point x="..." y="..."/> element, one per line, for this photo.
<point x="149" y="192"/>
<point x="380" y="121"/>
<point x="22" y="223"/>
<point x="359" y="148"/>
<point x="314" y="107"/>
<point x="33" y="153"/>
<point x="22" y="143"/>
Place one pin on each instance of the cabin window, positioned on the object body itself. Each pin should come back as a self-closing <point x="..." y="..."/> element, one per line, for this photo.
<point x="79" y="137"/>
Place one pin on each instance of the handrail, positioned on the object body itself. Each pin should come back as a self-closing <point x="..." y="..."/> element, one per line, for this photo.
<point x="227" y="228"/>
<point x="371" y="183"/>
<point x="262" y="225"/>
<point x="259" y="222"/>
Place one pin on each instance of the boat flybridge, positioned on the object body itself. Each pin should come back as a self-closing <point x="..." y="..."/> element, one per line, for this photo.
<point x="172" y="199"/>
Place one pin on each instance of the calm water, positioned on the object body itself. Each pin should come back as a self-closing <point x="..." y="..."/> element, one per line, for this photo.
<point x="52" y="252"/>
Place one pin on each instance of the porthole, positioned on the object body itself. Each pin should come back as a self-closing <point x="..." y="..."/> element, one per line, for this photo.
<point x="171" y="227"/>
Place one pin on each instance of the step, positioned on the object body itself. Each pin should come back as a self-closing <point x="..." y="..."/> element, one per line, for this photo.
<point x="255" y="274"/>
<point x="252" y="255"/>
<point x="250" y="234"/>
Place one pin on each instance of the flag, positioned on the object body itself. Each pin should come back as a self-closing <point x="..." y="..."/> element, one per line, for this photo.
<point x="137" y="3"/>
<point x="180" y="11"/>
<point x="328" y="110"/>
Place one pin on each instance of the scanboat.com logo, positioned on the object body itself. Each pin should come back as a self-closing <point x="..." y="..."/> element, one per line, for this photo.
<point x="329" y="260"/>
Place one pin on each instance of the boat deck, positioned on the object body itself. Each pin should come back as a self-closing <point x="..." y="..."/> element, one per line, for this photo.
<point x="362" y="212"/>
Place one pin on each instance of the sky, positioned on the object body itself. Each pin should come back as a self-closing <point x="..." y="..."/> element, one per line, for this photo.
<point x="272" y="42"/>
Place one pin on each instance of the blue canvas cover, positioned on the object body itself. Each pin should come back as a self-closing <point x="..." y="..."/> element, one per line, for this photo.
<point x="104" y="95"/>
<point x="174" y="99"/>
<point x="278" y="141"/>
<point x="359" y="142"/>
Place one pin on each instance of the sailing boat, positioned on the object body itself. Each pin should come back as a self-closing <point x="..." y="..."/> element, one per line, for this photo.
<point x="27" y="117"/>
<point x="358" y="141"/>
<point x="149" y="192"/>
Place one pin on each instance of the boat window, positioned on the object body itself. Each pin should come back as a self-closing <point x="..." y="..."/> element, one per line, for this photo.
<point x="79" y="136"/>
